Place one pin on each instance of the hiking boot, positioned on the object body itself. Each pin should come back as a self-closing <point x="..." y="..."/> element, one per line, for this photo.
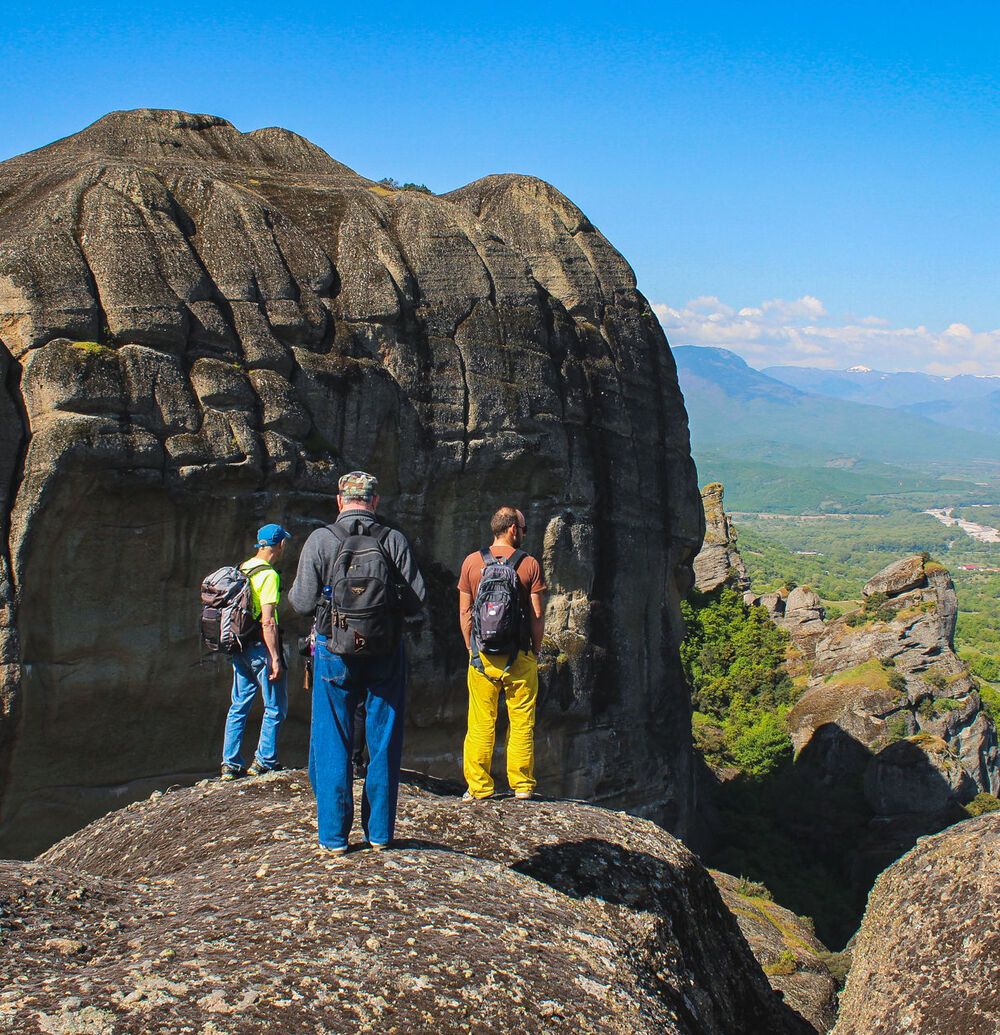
<point x="230" y="772"/>
<point x="377" y="846"/>
<point x="470" y="799"/>
<point x="524" y="795"/>
<point x="257" y="769"/>
<point x="335" y="852"/>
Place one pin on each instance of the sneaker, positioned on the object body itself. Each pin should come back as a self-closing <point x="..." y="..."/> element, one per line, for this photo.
<point x="336" y="852"/>
<point x="230" y="772"/>
<point x="470" y="799"/>
<point x="377" y="846"/>
<point x="524" y="795"/>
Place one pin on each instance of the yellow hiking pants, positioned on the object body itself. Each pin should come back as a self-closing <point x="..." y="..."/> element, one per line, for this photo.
<point x="520" y="688"/>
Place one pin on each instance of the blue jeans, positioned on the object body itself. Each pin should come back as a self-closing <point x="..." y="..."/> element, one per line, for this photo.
<point x="251" y="672"/>
<point x="339" y="684"/>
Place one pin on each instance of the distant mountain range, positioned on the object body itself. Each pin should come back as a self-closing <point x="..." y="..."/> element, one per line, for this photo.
<point x="965" y="401"/>
<point x="742" y="413"/>
<point x="780" y="448"/>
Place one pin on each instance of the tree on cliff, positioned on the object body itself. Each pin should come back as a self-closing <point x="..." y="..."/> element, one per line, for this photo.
<point x="733" y="657"/>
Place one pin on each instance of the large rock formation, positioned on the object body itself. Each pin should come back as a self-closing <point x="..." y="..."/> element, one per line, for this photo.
<point x="203" y="329"/>
<point x="891" y="742"/>
<point x="891" y="729"/>
<point x="889" y="698"/>
<point x="207" y="909"/>
<point x="719" y="562"/>
<point x="927" y="958"/>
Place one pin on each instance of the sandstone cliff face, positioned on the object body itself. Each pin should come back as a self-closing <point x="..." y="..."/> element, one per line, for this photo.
<point x="208" y="908"/>
<point x="203" y="329"/>
<point x="927" y="957"/>
<point x="719" y="562"/>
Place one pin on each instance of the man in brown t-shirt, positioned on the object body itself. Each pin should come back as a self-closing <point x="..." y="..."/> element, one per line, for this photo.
<point x="487" y="675"/>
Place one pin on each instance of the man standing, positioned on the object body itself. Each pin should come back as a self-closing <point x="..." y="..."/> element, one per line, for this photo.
<point x="360" y="579"/>
<point x="260" y="665"/>
<point x="499" y="660"/>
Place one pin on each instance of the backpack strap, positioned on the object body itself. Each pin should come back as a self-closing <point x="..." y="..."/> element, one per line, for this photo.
<point x="380" y="533"/>
<point x="259" y="567"/>
<point x="516" y="557"/>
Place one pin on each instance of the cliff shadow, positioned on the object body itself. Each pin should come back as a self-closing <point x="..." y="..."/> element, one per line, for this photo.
<point x="816" y="831"/>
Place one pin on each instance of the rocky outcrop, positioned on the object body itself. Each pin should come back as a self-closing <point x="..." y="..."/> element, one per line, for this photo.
<point x="890" y="725"/>
<point x="208" y="909"/>
<point x="719" y="563"/>
<point x="202" y="329"/>
<point x="786" y="947"/>
<point x="890" y="700"/>
<point x="927" y="958"/>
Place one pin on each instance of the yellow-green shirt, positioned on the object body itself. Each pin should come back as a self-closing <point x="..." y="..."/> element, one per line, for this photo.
<point x="265" y="586"/>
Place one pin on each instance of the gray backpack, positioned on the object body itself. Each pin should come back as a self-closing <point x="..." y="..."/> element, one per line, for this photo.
<point x="366" y="617"/>
<point x="227" y="621"/>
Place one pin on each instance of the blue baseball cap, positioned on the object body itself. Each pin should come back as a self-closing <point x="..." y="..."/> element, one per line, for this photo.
<point x="271" y="535"/>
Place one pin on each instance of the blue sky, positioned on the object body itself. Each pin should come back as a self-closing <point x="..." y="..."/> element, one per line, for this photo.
<point x="835" y="165"/>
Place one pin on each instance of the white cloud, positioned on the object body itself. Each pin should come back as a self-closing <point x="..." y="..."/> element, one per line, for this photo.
<point x="801" y="332"/>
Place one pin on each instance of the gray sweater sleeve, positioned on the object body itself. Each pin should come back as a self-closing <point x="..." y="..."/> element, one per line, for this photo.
<point x="414" y="592"/>
<point x="307" y="589"/>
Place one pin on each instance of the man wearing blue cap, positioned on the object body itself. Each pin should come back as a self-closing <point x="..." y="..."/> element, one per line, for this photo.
<point x="260" y="665"/>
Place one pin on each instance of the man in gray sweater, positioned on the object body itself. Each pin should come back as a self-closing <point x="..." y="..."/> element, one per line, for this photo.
<point x="345" y="673"/>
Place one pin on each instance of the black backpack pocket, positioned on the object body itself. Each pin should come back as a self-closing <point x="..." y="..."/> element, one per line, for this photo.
<point x="371" y="632"/>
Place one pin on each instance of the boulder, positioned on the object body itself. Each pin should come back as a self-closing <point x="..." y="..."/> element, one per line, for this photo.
<point x="803" y="620"/>
<point x="201" y="330"/>
<point x="719" y="562"/>
<point x="927" y="957"/>
<point x="209" y="908"/>
<point x="786" y="947"/>
<point x="897" y="578"/>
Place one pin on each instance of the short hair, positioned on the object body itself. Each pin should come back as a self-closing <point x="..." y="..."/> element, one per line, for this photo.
<point x="503" y="519"/>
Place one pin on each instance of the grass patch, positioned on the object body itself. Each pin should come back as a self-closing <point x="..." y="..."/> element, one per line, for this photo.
<point x="870" y="673"/>
<point x="785" y="964"/>
<point x="982" y="803"/>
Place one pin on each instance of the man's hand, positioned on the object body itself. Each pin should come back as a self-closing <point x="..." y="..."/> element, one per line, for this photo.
<point x="274" y="671"/>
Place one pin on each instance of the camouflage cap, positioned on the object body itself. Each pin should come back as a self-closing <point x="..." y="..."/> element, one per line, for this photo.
<point x="358" y="485"/>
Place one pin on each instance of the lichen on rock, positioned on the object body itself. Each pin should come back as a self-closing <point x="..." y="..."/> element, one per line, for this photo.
<point x="210" y="904"/>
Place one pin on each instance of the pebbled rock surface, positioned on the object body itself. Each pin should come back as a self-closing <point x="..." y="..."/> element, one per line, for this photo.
<point x="719" y="562"/>
<point x="927" y="957"/>
<point x="208" y="910"/>
<point x="786" y="947"/>
<point x="201" y="330"/>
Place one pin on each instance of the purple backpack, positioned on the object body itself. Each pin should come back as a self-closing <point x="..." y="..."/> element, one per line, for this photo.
<point x="227" y="621"/>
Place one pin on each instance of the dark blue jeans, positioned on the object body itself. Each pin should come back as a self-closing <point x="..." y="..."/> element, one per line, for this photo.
<point x="339" y="684"/>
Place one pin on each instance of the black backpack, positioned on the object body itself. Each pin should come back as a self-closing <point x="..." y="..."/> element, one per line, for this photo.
<point x="366" y="619"/>
<point x="498" y="620"/>
<point x="227" y="621"/>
